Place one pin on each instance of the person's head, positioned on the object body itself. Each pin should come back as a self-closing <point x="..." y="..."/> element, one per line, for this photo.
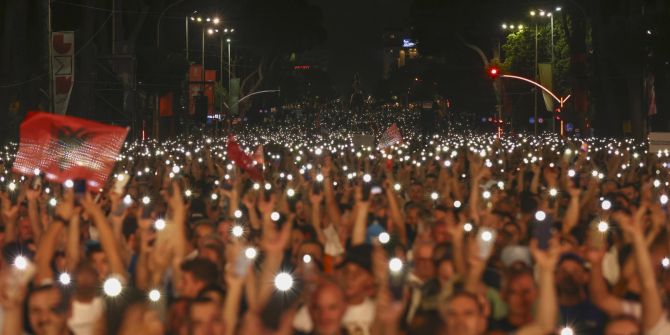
<point x="416" y="193"/>
<point x="439" y="233"/>
<point x="312" y="248"/>
<point x="97" y="257"/>
<point x="571" y="276"/>
<point x="326" y="308"/>
<point x="205" y="317"/>
<point x="519" y="291"/>
<point x="196" y="275"/>
<point x="213" y="292"/>
<point x="88" y="281"/>
<point x="200" y="231"/>
<point x="48" y="310"/>
<point x="623" y="325"/>
<point x="464" y="314"/>
<point x="424" y="265"/>
<point x="356" y="274"/>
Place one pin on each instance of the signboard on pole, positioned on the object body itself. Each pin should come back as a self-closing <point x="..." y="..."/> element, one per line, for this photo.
<point x="62" y="49"/>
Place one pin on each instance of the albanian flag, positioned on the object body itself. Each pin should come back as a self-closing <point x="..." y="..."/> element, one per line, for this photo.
<point x="65" y="147"/>
<point x="241" y="159"/>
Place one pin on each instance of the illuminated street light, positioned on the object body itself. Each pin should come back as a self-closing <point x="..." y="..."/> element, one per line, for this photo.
<point x="216" y="20"/>
<point x="532" y="13"/>
<point x="504" y="26"/>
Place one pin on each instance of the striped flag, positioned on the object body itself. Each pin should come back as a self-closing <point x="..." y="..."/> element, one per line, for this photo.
<point x="390" y="137"/>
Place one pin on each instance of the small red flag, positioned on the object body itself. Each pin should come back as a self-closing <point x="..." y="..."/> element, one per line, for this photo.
<point x="241" y="159"/>
<point x="390" y="137"/>
<point x="65" y="147"/>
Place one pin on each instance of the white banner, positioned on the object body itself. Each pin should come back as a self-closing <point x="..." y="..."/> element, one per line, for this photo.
<point x="62" y="51"/>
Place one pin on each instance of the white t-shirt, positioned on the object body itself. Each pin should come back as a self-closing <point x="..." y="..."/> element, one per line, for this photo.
<point x="85" y="315"/>
<point x="634" y="309"/>
<point x="357" y="319"/>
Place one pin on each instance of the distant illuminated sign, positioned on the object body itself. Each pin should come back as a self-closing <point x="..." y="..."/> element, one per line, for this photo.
<point x="407" y="43"/>
<point x="301" y="67"/>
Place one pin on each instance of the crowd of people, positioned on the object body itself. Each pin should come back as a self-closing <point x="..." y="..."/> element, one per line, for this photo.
<point x="458" y="234"/>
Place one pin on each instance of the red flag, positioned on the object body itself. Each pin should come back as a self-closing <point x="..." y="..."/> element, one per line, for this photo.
<point x="241" y="159"/>
<point x="65" y="147"/>
<point x="259" y="157"/>
<point x="390" y="137"/>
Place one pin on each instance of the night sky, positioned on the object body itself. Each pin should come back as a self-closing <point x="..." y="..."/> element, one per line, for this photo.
<point x="354" y="42"/>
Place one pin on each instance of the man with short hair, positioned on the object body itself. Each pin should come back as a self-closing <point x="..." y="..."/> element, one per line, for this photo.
<point x="48" y="311"/>
<point x="463" y="314"/>
<point x="205" y="317"/>
<point x="196" y="275"/>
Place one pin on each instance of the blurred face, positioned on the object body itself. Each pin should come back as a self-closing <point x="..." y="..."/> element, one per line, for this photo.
<point x="571" y="278"/>
<point x="224" y="229"/>
<point x="356" y="281"/>
<point x="520" y="295"/>
<point x="189" y="287"/>
<point x="99" y="261"/>
<point x="327" y="310"/>
<point x="622" y="327"/>
<point x="440" y="233"/>
<point x="206" y="318"/>
<point x="203" y="231"/>
<point x="424" y="268"/>
<point x="43" y="314"/>
<point x="445" y="270"/>
<point x="416" y="193"/>
<point x="464" y="317"/>
<point x="25" y="232"/>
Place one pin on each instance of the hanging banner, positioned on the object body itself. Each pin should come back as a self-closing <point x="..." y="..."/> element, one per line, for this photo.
<point x="546" y="80"/>
<point x="196" y="85"/>
<point x="165" y="104"/>
<point x="62" y="50"/>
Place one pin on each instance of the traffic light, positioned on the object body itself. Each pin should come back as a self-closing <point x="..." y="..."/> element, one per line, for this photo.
<point x="493" y="72"/>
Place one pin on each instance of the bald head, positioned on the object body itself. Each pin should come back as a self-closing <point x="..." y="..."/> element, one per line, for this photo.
<point x="326" y="307"/>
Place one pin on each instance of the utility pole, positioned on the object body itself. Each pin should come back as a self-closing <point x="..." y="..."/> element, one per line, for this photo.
<point x="536" y="78"/>
<point x="50" y="62"/>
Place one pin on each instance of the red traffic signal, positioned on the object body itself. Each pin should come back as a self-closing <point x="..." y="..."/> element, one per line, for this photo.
<point x="494" y="72"/>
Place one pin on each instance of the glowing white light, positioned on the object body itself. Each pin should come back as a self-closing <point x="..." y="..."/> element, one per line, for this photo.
<point x="458" y="204"/>
<point x="283" y="281"/>
<point x="486" y="195"/>
<point x="657" y="183"/>
<point x="384" y="237"/>
<point x="306" y="259"/>
<point x="146" y="200"/>
<point x="553" y="192"/>
<point x="68" y="183"/>
<point x="665" y="262"/>
<point x="603" y="226"/>
<point x="397" y="187"/>
<point x="487" y="236"/>
<point x="112" y="287"/>
<point x="664" y="199"/>
<point x="238" y="213"/>
<point x="274" y="216"/>
<point x="21" y="262"/>
<point x="154" y="295"/>
<point x="237" y="231"/>
<point x="64" y="278"/>
<point x="53" y="202"/>
<point x="606" y="205"/>
<point x="176" y="169"/>
<point x="290" y="192"/>
<point x="501" y="185"/>
<point x="395" y="264"/>
<point x="319" y="178"/>
<point x="250" y="253"/>
<point x="127" y="200"/>
<point x="467" y="227"/>
<point x="567" y="331"/>
<point x="188" y="193"/>
<point x="159" y="224"/>
<point x="318" y="151"/>
<point x="367" y="178"/>
<point x="447" y="163"/>
<point x="434" y="196"/>
<point x="540" y="215"/>
<point x="571" y="173"/>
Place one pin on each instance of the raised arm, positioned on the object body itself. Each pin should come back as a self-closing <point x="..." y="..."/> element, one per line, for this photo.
<point x="547" y="305"/>
<point x="109" y="245"/>
<point x="600" y="294"/>
<point x="652" y="305"/>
